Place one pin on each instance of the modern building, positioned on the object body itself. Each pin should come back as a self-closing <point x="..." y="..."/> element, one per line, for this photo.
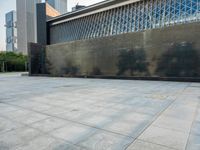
<point x="59" y="5"/>
<point x="11" y="31"/>
<point x="51" y="12"/>
<point x="118" y="17"/>
<point x="26" y="23"/>
<point x="128" y="38"/>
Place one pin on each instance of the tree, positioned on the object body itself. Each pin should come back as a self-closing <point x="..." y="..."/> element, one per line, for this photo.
<point x="180" y="60"/>
<point x="12" y="61"/>
<point x="133" y="61"/>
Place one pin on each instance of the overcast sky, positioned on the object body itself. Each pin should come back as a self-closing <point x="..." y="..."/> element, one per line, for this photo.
<point x="8" y="5"/>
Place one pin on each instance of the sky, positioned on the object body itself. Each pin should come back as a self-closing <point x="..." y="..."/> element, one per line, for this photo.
<point x="9" y="5"/>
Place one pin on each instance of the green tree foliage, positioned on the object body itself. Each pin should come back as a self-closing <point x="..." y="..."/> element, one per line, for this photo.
<point x="10" y="61"/>
<point x="133" y="61"/>
<point x="180" y="60"/>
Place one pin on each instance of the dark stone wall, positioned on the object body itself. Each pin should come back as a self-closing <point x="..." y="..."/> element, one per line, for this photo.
<point x="36" y="55"/>
<point x="41" y="24"/>
<point x="168" y="52"/>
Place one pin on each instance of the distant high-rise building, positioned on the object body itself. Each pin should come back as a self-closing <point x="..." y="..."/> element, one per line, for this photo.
<point x="26" y="24"/>
<point x="59" y="5"/>
<point x="51" y="12"/>
<point x="11" y="31"/>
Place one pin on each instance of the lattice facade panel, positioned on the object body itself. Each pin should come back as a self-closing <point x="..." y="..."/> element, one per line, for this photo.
<point x="139" y="16"/>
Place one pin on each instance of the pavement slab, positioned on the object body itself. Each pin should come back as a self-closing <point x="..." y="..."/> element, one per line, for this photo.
<point x="142" y="145"/>
<point x="46" y="113"/>
<point x="166" y="137"/>
<point x="194" y="142"/>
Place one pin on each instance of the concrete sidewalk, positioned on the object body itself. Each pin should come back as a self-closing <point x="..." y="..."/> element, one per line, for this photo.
<point x="41" y="113"/>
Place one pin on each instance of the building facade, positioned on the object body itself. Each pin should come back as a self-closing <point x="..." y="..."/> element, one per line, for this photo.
<point x="130" y="16"/>
<point x="26" y="24"/>
<point x="51" y="12"/>
<point x="11" y="31"/>
<point x="59" y="5"/>
<point x="126" y="38"/>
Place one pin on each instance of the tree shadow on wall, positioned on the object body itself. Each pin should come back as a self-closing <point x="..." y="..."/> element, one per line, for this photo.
<point x="71" y="70"/>
<point x="132" y="61"/>
<point x="96" y="71"/>
<point x="180" y="60"/>
<point x="48" y="65"/>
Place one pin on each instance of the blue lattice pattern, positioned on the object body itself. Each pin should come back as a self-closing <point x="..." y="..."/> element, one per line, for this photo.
<point x="139" y="16"/>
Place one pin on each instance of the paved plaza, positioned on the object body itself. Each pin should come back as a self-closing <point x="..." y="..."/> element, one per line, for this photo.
<point x="43" y="113"/>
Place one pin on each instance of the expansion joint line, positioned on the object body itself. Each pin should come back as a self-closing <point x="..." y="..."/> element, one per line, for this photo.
<point x="193" y="122"/>
<point x="155" y="118"/>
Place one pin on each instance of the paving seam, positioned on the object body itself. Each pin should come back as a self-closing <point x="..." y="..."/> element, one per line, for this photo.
<point x="70" y="121"/>
<point x="194" y="117"/>
<point x="156" y="117"/>
<point x="157" y="126"/>
<point x="157" y="144"/>
<point x="43" y="133"/>
<point x="23" y="124"/>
